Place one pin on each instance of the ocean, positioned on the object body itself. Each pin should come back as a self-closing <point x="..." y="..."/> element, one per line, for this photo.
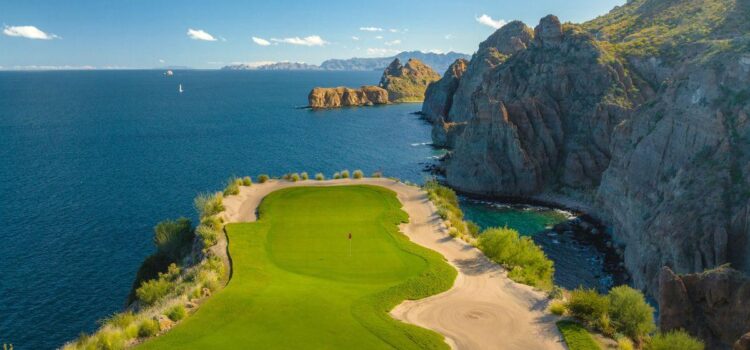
<point x="92" y="160"/>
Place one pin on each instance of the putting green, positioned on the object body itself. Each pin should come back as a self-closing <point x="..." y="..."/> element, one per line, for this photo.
<point x="295" y="284"/>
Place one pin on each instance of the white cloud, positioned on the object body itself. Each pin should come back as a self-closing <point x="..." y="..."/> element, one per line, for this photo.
<point x="449" y="36"/>
<point x="488" y="21"/>
<point x="312" y="40"/>
<point x="28" y="32"/>
<point x="379" y="37"/>
<point x="261" y="41"/>
<point x="161" y="60"/>
<point x="371" y="29"/>
<point x="393" y="30"/>
<point x="393" y="42"/>
<point x="381" y="52"/>
<point x="355" y="38"/>
<point x="199" y="34"/>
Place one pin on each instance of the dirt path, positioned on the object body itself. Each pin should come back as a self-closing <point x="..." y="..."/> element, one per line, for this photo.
<point x="483" y="310"/>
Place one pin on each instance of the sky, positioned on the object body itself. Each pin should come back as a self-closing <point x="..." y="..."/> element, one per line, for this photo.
<point x="130" y="34"/>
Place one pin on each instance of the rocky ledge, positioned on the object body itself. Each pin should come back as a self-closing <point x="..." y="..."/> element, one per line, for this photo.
<point x="346" y="97"/>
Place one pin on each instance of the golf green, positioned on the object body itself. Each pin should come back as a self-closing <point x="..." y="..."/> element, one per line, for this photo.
<point x="299" y="282"/>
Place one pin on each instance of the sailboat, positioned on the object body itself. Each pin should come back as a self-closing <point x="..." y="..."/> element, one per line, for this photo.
<point x="180" y="89"/>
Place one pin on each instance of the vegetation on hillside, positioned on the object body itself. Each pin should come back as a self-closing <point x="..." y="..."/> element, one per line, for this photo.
<point x="576" y="336"/>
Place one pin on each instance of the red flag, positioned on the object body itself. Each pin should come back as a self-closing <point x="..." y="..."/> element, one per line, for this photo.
<point x="350" y="235"/>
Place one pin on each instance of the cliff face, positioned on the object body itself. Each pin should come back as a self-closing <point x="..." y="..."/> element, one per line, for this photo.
<point x="642" y="114"/>
<point x="407" y="83"/>
<point x="346" y="97"/>
<point x="712" y="305"/>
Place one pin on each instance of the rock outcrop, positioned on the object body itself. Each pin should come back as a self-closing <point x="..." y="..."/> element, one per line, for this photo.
<point x="647" y="126"/>
<point x="711" y="304"/>
<point x="407" y="83"/>
<point x="346" y="97"/>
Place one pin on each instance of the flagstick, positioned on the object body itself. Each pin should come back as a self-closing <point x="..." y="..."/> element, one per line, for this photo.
<point x="350" y="247"/>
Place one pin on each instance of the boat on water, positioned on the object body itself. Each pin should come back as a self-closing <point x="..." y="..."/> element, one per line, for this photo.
<point x="169" y="73"/>
<point x="180" y="88"/>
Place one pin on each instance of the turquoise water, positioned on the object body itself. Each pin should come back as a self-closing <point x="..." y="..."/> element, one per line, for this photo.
<point x="92" y="160"/>
<point x="527" y="220"/>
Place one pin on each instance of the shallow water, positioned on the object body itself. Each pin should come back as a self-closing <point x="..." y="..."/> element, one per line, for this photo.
<point x="91" y="161"/>
<point x="577" y="262"/>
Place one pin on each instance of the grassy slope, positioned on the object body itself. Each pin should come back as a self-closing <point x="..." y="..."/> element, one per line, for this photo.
<point x="295" y="285"/>
<point x="576" y="336"/>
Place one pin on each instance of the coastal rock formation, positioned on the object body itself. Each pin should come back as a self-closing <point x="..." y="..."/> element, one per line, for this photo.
<point x="712" y="305"/>
<point x="439" y="99"/>
<point x="346" y="97"/>
<point x="645" y="125"/>
<point x="407" y="83"/>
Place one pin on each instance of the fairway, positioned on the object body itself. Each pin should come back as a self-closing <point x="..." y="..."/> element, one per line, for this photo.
<point x="297" y="282"/>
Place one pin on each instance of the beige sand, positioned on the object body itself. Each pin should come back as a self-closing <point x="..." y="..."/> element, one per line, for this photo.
<point x="483" y="310"/>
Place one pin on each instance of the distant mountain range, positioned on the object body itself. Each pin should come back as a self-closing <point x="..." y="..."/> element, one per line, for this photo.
<point x="437" y="61"/>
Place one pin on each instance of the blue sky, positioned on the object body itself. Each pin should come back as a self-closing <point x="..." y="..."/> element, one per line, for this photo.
<point x="208" y="34"/>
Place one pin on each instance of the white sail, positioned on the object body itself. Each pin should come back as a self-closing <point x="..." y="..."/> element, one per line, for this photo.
<point x="180" y="88"/>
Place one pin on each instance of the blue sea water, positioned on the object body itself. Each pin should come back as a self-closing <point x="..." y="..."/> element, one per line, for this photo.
<point x="92" y="160"/>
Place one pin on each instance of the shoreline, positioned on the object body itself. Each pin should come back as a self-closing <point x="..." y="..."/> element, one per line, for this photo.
<point x="482" y="309"/>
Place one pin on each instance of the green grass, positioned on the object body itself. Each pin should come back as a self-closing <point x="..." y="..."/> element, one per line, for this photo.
<point x="295" y="285"/>
<point x="576" y="336"/>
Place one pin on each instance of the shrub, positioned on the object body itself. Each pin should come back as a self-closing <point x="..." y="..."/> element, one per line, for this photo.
<point x="263" y="178"/>
<point x="358" y="174"/>
<point x="233" y="187"/>
<point x="630" y="313"/>
<point x="555" y="293"/>
<point x="320" y="177"/>
<point x="377" y="174"/>
<point x="473" y="228"/>
<point x="304" y="175"/>
<point x="120" y="320"/>
<point x="213" y="222"/>
<point x="557" y="307"/>
<point x="247" y="181"/>
<point x="209" y="235"/>
<point x="576" y="336"/>
<point x="294" y="177"/>
<point x="110" y="339"/>
<point x="176" y="313"/>
<point x="209" y="204"/>
<point x="173" y="238"/>
<point x="153" y="290"/>
<point x="678" y="339"/>
<point x="589" y="306"/>
<point x="624" y="343"/>
<point x="148" y="328"/>
<point x="336" y="175"/>
<point x="344" y="174"/>
<point x="526" y="261"/>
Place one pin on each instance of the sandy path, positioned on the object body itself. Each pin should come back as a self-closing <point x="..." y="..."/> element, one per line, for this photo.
<point x="483" y="310"/>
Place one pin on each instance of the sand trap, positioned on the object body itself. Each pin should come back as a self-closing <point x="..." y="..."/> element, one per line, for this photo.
<point x="483" y="310"/>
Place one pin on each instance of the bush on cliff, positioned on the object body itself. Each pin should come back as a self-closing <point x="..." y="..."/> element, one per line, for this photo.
<point x="148" y="328"/>
<point x="154" y="290"/>
<point x="304" y="176"/>
<point x="173" y="238"/>
<point x="247" y="181"/>
<point x="630" y="313"/>
<point x="208" y="204"/>
<point x="358" y="174"/>
<point x="263" y="178"/>
<point x="176" y="313"/>
<point x="336" y="175"/>
<point x="345" y="174"/>
<point x="233" y="187"/>
<point x="320" y="177"/>
<point x="208" y="234"/>
<point x="590" y="307"/>
<point x="674" y="340"/>
<point x="294" y="177"/>
<point x="526" y="261"/>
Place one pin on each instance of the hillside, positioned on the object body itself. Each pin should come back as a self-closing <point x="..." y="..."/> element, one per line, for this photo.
<point x="436" y="61"/>
<point x="640" y="115"/>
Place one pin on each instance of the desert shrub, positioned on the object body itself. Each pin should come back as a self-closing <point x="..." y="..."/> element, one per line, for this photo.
<point x="589" y="306"/>
<point x="304" y="175"/>
<point x="154" y="290"/>
<point x="624" y="343"/>
<point x="173" y="238"/>
<point x="555" y="293"/>
<point x="176" y="313"/>
<point x="119" y="320"/>
<point x="557" y="307"/>
<point x="294" y="177"/>
<point x="473" y="228"/>
<point x="630" y="313"/>
<point x="377" y="174"/>
<point x="208" y="204"/>
<point x="678" y="339"/>
<point x="287" y="177"/>
<point x="336" y="175"/>
<point x="525" y="261"/>
<point x="233" y="187"/>
<point x="247" y="181"/>
<point x="148" y="328"/>
<point x="358" y="174"/>
<point x="320" y="177"/>
<point x="263" y="178"/>
<point x="344" y="174"/>
<point x="110" y="339"/>
<point x="213" y="222"/>
<point x="209" y="235"/>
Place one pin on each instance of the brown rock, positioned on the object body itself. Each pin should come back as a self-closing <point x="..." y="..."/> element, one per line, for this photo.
<point x="345" y="97"/>
<point x="439" y="94"/>
<point x="407" y="83"/>
<point x="743" y="343"/>
<point x="164" y="322"/>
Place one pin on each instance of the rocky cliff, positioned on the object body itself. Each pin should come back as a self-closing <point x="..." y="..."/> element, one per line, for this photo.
<point x="641" y="114"/>
<point x="407" y="83"/>
<point x="347" y="97"/>
<point x="711" y="304"/>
